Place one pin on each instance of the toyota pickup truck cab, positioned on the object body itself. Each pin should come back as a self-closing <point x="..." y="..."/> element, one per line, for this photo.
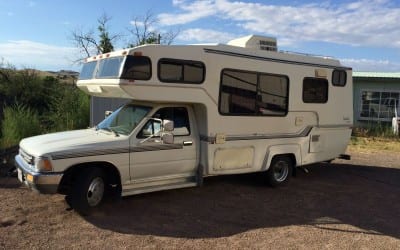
<point x="141" y="147"/>
<point x="196" y="111"/>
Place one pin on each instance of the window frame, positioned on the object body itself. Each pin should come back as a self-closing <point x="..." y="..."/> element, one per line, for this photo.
<point x="182" y="63"/>
<point x="258" y="74"/>
<point x="327" y="90"/>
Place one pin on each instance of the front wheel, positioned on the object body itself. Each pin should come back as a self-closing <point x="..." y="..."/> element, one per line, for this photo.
<point x="279" y="171"/>
<point x="88" y="190"/>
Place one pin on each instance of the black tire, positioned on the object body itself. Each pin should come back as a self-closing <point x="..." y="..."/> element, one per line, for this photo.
<point x="279" y="171"/>
<point x="88" y="192"/>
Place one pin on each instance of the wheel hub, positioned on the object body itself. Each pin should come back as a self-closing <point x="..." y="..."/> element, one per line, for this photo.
<point x="95" y="191"/>
<point x="281" y="171"/>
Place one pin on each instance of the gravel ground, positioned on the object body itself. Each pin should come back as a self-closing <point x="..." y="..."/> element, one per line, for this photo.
<point x="343" y="205"/>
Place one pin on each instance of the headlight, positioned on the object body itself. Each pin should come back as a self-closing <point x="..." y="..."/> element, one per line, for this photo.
<point x="43" y="164"/>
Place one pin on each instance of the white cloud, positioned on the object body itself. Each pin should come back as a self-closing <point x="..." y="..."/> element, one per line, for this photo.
<point x="371" y="65"/>
<point x="192" y="12"/>
<point x="23" y="53"/>
<point x="205" y="36"/>
<point x="137" y="23"/>
<point x="363" y="22"/>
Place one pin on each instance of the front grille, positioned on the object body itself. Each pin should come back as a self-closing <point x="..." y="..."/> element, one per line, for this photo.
<point x="27" y="157"/>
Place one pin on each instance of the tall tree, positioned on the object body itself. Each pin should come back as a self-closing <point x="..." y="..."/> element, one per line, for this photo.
<point x="144" y="32"/>
<point x="105" y="45"/>
<point x="89" y="44"/>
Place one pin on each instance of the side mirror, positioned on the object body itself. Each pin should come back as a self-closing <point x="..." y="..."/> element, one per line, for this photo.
<point x="107" y="113"/>
<point x="168" y="125"/>
<point x="167" y="138"/>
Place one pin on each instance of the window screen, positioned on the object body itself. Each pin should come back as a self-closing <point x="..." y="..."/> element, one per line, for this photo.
<point x="273" y="95"/>
<point x="315" y="90"/>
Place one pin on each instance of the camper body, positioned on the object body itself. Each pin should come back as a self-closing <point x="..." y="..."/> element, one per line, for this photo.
<point x="196" y="111"/>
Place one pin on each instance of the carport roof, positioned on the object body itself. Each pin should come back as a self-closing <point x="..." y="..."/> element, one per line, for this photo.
<point x="377" y="74"/>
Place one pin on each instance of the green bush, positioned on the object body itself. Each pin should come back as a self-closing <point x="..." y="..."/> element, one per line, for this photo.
<point x="35" y="104"/>
<point x="19" y="122"/>
<point x="70" y="109"/>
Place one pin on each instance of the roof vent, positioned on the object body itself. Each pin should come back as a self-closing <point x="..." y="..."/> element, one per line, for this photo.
<point x="256" y="42"/>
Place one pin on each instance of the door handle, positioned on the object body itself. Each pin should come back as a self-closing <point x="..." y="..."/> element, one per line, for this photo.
<point x="187" y="143"/>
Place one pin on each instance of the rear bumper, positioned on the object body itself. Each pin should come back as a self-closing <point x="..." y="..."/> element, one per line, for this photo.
<point x="45" y="183"/>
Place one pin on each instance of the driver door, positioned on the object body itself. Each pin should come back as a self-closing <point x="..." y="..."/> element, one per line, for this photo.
<point x="153" y="162"/>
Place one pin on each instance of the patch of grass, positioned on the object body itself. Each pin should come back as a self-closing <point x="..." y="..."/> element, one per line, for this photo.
<point x="381" y="130"/>
<point x="19" y="122"/>
<point x="370" y="144"/>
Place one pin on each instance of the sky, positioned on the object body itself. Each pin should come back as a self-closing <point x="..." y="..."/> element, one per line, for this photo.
<point x="363" y="34"/>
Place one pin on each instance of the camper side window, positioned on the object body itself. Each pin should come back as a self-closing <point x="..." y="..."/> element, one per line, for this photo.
<point x="315" y="90"/>
<point x="253" y="93"/>
<point x="181" y="71"/>
<point x="339" y="78"/>
<point x="137" y="68"/>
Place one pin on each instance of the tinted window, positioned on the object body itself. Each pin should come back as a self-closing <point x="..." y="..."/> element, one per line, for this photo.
<point x="109" y="67"/>
<point x="87" y="70"/>
<point x="181" y="71"/>
<point x="339" y="78"/>
<point x="137" y="68"/>
<point x="315" y="90"/>
<point x="253" y="93"/>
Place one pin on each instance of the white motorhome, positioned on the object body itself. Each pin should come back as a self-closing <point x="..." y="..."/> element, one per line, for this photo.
<point x="196" y="111"/>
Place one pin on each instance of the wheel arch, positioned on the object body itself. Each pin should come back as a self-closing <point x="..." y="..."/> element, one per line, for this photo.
<point x="112" y="173"/>
<point x="293" y="151"/>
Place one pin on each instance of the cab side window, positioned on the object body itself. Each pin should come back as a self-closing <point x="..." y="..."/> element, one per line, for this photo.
<point x="180" y="117"/>
<point x="177" y="114"/>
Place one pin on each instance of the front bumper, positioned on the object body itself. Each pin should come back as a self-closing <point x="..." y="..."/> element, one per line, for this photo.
<point x="45" y="183"/>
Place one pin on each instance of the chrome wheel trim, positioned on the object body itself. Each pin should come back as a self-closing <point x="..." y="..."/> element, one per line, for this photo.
<point x="95" y="192"/>
<point x="281" y="171"/>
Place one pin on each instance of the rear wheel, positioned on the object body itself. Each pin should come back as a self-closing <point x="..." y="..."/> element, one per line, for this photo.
<point x="279" y="171"/>
<point x="88" y="191"/>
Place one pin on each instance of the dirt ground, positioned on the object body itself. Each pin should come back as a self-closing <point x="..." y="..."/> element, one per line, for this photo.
<point x="344" y="205"/>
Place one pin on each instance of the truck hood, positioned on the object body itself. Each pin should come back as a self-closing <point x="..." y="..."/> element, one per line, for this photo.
<point x="71" y="141"/>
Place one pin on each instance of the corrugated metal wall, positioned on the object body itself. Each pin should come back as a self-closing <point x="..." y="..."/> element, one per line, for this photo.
<point x="372" y="84"/>
<point x="99" y="105"/>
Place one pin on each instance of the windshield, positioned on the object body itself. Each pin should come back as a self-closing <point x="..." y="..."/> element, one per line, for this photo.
<point x="124" y="119"/>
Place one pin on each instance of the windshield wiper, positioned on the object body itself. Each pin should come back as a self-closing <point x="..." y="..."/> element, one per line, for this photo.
<point x="114" y="131"/>
<point x="110" y="130"/>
